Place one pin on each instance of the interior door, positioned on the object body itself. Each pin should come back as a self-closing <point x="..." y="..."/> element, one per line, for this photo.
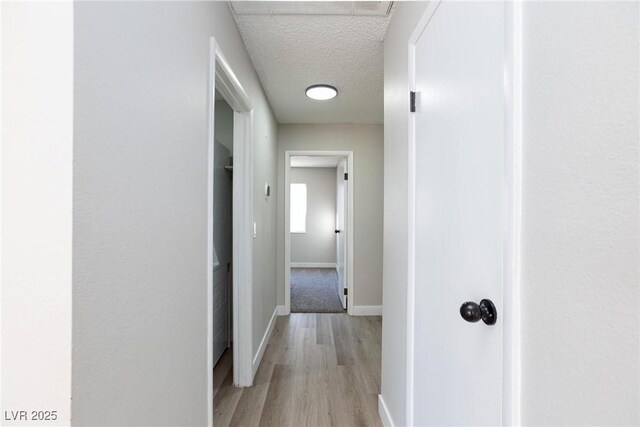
<point x="341" y="230"/>
<point x="459" y="136"/>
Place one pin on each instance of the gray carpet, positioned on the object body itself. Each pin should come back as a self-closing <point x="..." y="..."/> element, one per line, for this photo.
<point x="315" y="290"/>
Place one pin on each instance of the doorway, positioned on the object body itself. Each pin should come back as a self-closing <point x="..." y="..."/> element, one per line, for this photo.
<point x="230" y="224"/>
<point x="222" y="241"/>
<point x="318" y="195"/>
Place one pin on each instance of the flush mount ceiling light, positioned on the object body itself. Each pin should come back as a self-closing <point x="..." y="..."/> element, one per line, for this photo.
<point x="321" y="92"/>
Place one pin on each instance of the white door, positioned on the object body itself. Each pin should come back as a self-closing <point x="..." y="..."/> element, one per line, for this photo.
<point x="341" y="230"/>
<point x="459" y="135"/>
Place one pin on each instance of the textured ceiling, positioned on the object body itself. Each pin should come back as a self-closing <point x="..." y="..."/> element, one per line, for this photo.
<point x="243" y="7"/>
<point x="292" y="52"/>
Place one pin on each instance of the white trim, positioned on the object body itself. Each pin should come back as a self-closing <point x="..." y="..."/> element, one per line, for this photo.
<point x="210" y="249"/>
<point x="512" y="177"/>
<point x="384" y="414"/>
<point x="350" y="216"/>
<point x="242" y="249"/>
<point x="282" y="311"/>
<point x="411" y="206"/>
<point x="512" y="201"/>
<point x="222" y="78"/>
<point x="228" y="84"/>
<point x="313" y="265"/>
<point x="263" y="344"/>
<point x="367" y="310"/>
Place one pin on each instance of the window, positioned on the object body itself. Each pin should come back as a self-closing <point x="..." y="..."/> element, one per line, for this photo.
<point x="298" y="206"/>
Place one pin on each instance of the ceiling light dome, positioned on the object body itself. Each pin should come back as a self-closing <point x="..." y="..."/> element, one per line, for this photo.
<point x="321" y="92"/>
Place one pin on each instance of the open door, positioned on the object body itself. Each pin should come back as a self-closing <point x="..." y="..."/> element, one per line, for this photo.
<point x="341" y="230"/>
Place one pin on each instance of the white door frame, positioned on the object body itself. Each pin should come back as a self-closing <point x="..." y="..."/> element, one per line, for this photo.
<point x="512" y="207"/>
<point x="287" y="235"/>
<point x="223" y="79"/>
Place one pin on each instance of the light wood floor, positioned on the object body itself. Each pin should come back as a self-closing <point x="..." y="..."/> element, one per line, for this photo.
<point x="318" y="370"/>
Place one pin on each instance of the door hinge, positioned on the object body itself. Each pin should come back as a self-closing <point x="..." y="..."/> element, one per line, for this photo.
<point x="412" y="101"/>
<point x="346" y="176"/>
<point x="346" y="291"/>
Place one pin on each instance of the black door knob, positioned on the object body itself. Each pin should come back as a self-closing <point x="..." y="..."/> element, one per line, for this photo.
<point x="485" y="311"/>
<point x="337" y="231"/>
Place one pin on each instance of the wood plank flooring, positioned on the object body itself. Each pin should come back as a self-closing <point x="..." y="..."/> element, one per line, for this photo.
<point x="319" y="369"/>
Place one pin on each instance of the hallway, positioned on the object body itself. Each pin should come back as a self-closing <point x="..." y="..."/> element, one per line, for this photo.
<point x="318" y="369"/>
<point x="467" y="170"/>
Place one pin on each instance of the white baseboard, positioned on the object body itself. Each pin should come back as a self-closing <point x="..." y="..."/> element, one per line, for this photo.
<point x="383" y="411"/>
<point x="282" y="310"/>
<point x="313" y="265"/>
<point x="263" y="344"/>
<point x="367" y="310"/>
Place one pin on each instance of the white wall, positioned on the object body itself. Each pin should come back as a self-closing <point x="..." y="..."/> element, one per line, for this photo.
<point x="222" y="191"/>
<point x="224" y="124"/>
<point x="396" y="125"/>
<point x="580" y="313"/>
<point x="318" y="244"/>
<point x="140" y="208"/>
<point x="366" y="143"/>
<point x="36" y="162"/>
<point x="265" y="148"/>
